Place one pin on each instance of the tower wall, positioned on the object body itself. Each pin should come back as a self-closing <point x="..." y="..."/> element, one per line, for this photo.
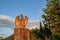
<point x="21" y="34"/>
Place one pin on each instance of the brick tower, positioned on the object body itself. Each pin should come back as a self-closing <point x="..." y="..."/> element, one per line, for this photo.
<point x="20" y="32"/>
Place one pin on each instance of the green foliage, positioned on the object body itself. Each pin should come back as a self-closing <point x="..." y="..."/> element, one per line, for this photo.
<point x="35" y="32"/>
<point x="41" y="33"/>
<point x="55" y="37"/>
<point x="52" y="14"/>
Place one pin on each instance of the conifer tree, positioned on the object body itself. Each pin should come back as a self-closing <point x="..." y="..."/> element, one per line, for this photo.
<point x="52" y="15"/>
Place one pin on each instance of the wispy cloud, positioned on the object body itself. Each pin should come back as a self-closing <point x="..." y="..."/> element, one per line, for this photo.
<point x="9" y="21"/>
<point x="33" y="20"/>
<point x="6" y="21"/>
<point x="6" y="25"/>
<point x="7" y="17"/>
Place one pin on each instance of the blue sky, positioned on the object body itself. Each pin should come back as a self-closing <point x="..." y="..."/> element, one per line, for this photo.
<point x="30" y="8"/>
<point x="12" y="8"/>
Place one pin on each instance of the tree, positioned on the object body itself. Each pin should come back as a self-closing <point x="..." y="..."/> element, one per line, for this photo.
<point x="52" y="15"/>
<point x="39" y="33"/>
<point x="42" y="32"/>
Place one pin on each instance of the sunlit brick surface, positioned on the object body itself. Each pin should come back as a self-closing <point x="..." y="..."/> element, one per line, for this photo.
<point x="21" y="34"/>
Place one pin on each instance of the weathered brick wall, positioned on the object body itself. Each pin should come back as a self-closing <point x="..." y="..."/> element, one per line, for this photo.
<point x="21" y="34"/>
